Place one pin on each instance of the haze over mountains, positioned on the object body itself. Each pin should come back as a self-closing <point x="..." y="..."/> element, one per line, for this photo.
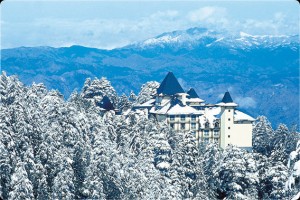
<point x="261" y="72"/>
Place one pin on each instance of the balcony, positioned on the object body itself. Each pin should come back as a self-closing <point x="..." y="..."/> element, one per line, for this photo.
<point x="178" y="120"/>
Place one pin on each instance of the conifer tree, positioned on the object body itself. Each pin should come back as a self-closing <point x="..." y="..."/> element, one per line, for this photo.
<point x="21" y="187"/>
<point x="148" y="91"/>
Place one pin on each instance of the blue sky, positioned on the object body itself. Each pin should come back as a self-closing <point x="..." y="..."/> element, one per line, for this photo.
<point x="111" y="24"/>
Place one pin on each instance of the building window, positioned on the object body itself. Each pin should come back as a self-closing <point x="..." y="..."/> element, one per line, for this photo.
<point x="172" y="125"/>
<point x="206" y="124"/>
<point x="228" y="136"/>
<point x="228" y="127"/>
<point x="216" y="140"/>
<point x="172" y="118"/>
<point x="193" y="126"/>
<point x="182" y="117"/>
<point x="217" y="125"/>
<point x="182" y="126"/>
<point x="193" y="117"/>
<point x="206" y="140"/>
<point x="206" y="133"/>
<point x="216" y="133"/>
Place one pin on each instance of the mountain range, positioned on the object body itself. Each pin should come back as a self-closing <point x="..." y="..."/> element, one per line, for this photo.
<point x="261" y="72"/>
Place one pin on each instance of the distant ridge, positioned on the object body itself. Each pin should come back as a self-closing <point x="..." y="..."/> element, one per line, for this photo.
<point x="263" y="71"/>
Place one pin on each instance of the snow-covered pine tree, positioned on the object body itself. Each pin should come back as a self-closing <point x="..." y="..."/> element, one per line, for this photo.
<point x="148" y="91"/>
<point x="212" y="159"/>
<point x="5" y="170"/>
<point x="184" y="169"/>
<point x="123" y="103"/>
<point x="63" y="183"/>
<point x="293" y="184"/>
<point x="21" y="187"/>
<point x="262" y="134"/>
<point x="237" y="176"/>
<point x="272" y="176"/>
<point x="95" y="90"/>
<point x="132" y="97"/>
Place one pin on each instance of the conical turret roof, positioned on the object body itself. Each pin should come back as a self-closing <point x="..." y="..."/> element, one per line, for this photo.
<point x="192" y="93"/>
<point x="106" y="104"/>
<point x="170" y="85"/>
<point x="227" y="98"/>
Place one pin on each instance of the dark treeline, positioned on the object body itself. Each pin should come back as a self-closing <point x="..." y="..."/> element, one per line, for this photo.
<point x="56" y="149"/>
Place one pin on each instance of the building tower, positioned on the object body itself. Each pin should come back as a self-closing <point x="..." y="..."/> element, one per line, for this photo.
<point x="236" y="127"/>
<point x="227" y="120"/>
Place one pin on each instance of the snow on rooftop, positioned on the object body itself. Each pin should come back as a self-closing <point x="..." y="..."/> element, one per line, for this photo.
<point x="147" y="103"/>
<point x="240" y="116"/>
<point x="213" y="111"/>
<point x="164" y="102"/>
<point x="210" y="115"/>
<point x="161" y="109"/>
<point x="185" y="110"/>
<point x="164" y="109"/>
<point x="227" y="104"/>
<point x="195" y="100"/>
<point x="126" y="112"/>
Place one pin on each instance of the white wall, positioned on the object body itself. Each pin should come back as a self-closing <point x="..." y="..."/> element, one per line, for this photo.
<point x="240" y="134"/>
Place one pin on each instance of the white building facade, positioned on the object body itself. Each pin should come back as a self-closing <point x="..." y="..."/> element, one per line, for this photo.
<point x="184" y="111"/>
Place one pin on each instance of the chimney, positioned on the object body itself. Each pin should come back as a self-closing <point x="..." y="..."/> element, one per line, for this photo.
<point x="182" y="98"/>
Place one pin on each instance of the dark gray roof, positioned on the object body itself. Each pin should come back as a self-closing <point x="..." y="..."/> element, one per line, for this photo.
<point x="227" y="98"/>
<point x="170" y="85"/>
<point x="106" y="104"/>
<point x="192" y="93"/>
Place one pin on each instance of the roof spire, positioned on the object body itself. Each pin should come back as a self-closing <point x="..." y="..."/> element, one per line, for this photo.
<point x="192" y="93"/>
<point x="106" y="104"/>
<point x="170" y="85"/>
<point x="227" y="98"/>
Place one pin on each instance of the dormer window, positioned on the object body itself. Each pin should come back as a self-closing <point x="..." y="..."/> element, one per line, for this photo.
<point x="217" y="124"/>
<point x="206" y="124"/>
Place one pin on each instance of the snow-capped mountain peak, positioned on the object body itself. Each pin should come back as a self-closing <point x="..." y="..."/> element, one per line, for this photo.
<point x="243" y="34"/>
<point x="196" y="36"/>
